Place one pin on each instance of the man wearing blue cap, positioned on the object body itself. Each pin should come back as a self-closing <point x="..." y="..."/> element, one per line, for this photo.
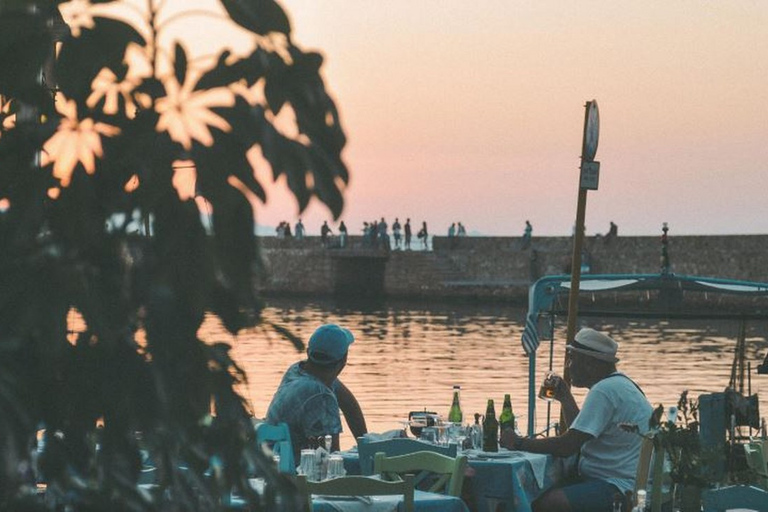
<point x="310" y="395"/>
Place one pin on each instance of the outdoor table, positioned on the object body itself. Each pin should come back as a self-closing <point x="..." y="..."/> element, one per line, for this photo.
<point x="423" y="502"/>
<point x="511" y="478"/>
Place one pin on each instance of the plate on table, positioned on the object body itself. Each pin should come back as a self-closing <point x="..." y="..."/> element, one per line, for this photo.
<point x="491" y="455"/>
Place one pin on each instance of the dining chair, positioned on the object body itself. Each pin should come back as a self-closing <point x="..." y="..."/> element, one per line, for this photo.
<point x="757" y="463"/>
<point x="399" y="446"/>
<point x="358" y="486"/>
<point x="278" y="438"/>
<point x="440" y="473"/>
<point x="652" y="471"/>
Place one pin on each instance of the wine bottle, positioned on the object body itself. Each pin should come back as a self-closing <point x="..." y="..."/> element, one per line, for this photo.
<point x="455" y="415"/>
<point x="490" y="429"/>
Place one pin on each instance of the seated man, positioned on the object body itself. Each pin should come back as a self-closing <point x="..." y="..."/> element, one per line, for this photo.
<point x="608" y="454"/>
<point x="310" y="394"/>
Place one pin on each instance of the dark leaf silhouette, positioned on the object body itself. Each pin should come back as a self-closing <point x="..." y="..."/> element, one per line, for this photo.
<point x="83" y="57"/>
<point x="180" y="63"/>
<point x="107" y="277"/>
<point x="258" y="16"/>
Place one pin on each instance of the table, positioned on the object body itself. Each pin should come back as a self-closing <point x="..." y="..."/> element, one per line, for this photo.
<point x="510" y="480"/>
<point x="506" y="480"/>
<point x="423" y="502"/>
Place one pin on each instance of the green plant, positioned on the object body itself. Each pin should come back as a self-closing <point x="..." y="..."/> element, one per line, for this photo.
<point x="91" y="146"/>
<point x="680" y="441"/>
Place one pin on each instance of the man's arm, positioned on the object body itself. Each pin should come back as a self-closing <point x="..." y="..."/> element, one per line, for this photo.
<point x="353" y="414"/>
<point x="563" y="445"/>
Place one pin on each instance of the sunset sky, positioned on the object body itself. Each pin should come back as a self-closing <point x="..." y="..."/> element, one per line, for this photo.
<point x="473" y="112"/>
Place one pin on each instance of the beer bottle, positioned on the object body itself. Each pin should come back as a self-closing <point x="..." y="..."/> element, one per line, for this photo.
<point x="490" y="429"/>
<point x="507" y="417"/>
<point x="455" y="415"/>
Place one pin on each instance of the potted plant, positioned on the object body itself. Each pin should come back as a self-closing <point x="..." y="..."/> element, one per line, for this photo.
<point x="690" y="464"/>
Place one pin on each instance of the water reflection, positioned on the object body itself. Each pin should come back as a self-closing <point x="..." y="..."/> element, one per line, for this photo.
<point x="408" y="355"/>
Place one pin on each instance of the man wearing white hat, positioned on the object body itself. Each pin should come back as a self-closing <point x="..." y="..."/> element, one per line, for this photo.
<point x="608" y="454"/>
<point x="310" y="394"/>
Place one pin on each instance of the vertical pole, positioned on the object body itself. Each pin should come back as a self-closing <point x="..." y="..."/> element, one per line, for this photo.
<point x="578" y="241"/>
<point x="531" y="394"/>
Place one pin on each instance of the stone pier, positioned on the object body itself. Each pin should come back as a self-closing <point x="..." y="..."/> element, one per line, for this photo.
<point x="492" y="268"/>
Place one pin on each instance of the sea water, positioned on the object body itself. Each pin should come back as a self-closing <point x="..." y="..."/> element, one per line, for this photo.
<point x="408" y="355"/>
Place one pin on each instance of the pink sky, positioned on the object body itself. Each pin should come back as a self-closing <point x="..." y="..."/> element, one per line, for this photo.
<point x="473" y="112"/>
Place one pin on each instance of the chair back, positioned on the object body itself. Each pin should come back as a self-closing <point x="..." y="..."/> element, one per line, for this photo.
<point x="756" y="460"/>
<point x="278" y="438"/>
<point x="440" y="473"/>
<point x="393" y="447"/>
<point x="358" y="486"/>
<point x="652" y="474"/>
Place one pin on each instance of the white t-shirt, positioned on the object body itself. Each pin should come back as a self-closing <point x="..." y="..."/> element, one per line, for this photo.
<point x="613" y="453"/>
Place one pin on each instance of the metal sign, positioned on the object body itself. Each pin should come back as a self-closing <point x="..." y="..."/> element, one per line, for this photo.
<point x="590" y="175"/>
<point x="591" y="132"/>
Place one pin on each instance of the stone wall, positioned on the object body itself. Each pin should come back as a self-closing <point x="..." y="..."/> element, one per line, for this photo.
<point x="493" y="268"/>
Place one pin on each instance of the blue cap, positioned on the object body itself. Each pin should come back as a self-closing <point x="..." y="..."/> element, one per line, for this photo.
<point x="329" y="344"/>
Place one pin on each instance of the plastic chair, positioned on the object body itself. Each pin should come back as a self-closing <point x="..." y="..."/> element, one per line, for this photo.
<point x="358" y="486"/>
<point x="278" y="438"/>
<point x="756" y="460"/>
<point x="651" y="464"/>
<point x="393" y="447"/>
<point x="440" y="473"/>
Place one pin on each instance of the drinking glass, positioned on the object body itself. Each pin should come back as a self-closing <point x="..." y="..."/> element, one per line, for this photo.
<point x="477" y="437"/>
<point x="307" y="466"/>
<point x="548" y="387"/>
<point x="429" y="434"/>
<point x="335" y="466"/>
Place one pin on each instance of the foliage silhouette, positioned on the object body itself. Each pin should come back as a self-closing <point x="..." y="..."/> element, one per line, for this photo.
<point x="93" y="227"/>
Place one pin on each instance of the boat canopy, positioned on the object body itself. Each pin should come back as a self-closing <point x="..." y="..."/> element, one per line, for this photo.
<point x="546" y="295"/>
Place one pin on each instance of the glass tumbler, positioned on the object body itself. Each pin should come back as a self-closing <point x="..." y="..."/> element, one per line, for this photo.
<point x="307" y="465"/>
<point x="548" y="387"/>
<point x="335" y="466"/>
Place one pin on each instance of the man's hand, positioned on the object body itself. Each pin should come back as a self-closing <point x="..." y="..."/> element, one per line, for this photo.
<point x="509" y="439"/>
<point x="562" y="389"/>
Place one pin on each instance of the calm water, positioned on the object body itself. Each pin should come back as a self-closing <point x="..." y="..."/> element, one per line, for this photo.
<point x="407" y="356"/>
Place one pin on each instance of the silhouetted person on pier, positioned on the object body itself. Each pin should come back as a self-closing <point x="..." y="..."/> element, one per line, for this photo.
<point x="613" y="232"/>
<point x="383" y="235"/>
<point x="408" y="234"/>
<point x="299" y="230"/>
<point x="452" y="235"/>
<point x="527" y="234"/>
<point x="324" y="232"/>
<point x="342" y="235"/>
<point x="396" y="232"/>
<point x="423" y="234"/>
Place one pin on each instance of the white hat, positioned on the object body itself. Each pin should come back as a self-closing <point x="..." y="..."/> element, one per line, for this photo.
<point x="595" y="344"/>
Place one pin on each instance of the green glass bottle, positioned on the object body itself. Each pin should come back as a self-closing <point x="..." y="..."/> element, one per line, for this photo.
<point x="490" y="429"/>
<point x="455" y="415"/>
<point x="507" y="417"/>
